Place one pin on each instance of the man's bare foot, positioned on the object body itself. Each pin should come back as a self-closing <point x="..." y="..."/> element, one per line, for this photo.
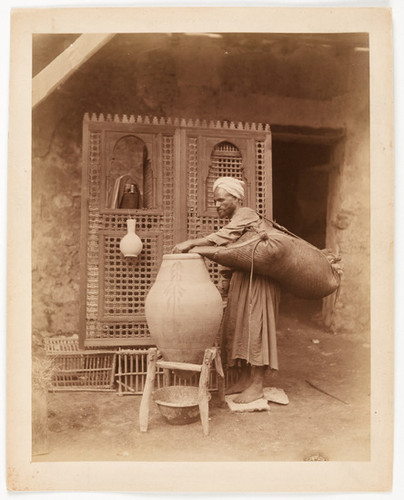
<point x="256" y="388"/>
<point x="238" y="386"/>
<point x="252" y="393"/>
<point x="242" y="383"/>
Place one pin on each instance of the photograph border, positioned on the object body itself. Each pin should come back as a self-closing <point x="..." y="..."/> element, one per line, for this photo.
<point x="375" y="475"/>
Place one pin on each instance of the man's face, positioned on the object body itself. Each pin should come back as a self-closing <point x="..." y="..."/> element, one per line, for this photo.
<point x="225" y="203"/>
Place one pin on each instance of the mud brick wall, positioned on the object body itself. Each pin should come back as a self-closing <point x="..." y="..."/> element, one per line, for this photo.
<point x="278" y="80"/>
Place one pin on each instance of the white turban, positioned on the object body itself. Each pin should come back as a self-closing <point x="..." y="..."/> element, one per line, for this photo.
<point x="233" y="186"/>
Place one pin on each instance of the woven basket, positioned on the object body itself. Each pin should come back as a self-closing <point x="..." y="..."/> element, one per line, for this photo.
<point x="298" y="266"/>
<point x="75" y="369"/>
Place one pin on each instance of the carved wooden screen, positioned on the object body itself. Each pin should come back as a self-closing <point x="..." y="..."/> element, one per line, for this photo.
<point x="173" y="164"/>
<point x="114" y="287"/>
<point x="242" y="151"/>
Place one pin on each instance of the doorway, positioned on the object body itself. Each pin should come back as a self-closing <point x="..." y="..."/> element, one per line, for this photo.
<point x="300" y="171"/>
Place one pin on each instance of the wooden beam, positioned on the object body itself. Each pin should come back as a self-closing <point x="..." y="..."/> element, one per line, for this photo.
<point x="65" y="64"/>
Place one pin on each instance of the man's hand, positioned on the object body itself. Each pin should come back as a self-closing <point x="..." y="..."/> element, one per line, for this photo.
<point x="183" y="247"/>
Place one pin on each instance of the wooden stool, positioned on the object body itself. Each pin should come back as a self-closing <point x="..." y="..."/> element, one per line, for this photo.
<point x="203" y="392"/>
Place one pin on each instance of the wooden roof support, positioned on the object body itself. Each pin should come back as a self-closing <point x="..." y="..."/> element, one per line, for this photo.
<point x="65" y="64"/>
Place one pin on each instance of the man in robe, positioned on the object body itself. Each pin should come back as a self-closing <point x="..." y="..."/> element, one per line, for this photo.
<point x="249" y="323"/>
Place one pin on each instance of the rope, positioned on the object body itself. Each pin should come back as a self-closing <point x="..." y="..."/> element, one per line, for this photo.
<point x="263" y="236"/>
<point x="285" y="230"/>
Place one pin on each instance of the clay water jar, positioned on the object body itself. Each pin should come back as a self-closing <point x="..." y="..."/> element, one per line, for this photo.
<point x="183" y="309"/>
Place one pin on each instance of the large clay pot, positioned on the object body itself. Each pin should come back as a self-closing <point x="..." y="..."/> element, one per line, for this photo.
<point x="183" y="309"/>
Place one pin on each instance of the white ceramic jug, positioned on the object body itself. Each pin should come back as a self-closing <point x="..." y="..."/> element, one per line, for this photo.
<point x="131" y="245"/>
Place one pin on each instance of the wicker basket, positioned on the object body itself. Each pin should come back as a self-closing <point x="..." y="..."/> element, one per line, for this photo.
<point x="131" y="371"/>
<point x="58" y="345"/>
<point x="123" y="370"/>
<point x="295" y="264"/>
<point x="79" y="370"/>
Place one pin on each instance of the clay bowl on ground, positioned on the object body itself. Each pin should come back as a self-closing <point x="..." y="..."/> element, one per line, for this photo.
<point x="178" y="404"/>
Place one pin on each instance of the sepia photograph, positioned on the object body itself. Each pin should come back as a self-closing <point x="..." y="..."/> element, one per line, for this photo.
<point x="203" y="285"/>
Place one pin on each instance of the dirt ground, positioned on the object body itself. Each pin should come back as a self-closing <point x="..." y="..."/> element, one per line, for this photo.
<point x="91" y="426"/>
